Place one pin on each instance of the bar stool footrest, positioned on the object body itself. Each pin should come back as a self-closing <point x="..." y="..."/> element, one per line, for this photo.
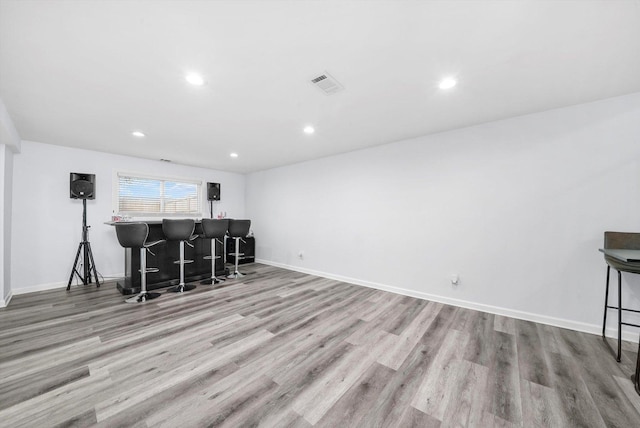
<point x="624" y="309"/>
<point x="177" y="262"/>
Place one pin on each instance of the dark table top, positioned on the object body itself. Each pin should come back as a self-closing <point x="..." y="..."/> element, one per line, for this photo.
<point x="113" y="223"/>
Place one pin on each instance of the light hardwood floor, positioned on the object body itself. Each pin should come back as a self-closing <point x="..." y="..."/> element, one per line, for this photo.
<point x="284" y="349"/>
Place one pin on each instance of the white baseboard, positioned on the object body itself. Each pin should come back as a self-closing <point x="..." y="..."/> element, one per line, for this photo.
<point x="527" y="316"/>
<point x="40" y="287"/>
<point x="54" y="285"/>
<point x="5" y="302"/>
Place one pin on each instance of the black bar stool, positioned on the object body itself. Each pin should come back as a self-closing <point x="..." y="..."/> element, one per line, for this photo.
<point x="621" y="241"/>
<point x="214" y="229"/>
<point x="238" y="229"/>
<point x="134" y="235"/>
<point x="180" y="230"/>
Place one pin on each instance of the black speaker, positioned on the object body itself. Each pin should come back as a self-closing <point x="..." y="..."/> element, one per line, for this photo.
<point x="82" y="186"/>
<point x="213" y="191"/>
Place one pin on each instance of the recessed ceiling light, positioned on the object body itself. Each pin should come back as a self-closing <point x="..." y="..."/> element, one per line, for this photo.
<point x="447" y="83"/>
<point x="137" y="134"/>
<point x="309" y="130"/>
<point x="195" y="79"/>
<point x="234" y="155"/>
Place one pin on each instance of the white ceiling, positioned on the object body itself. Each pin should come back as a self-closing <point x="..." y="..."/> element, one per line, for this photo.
<point x="87" y="73"/>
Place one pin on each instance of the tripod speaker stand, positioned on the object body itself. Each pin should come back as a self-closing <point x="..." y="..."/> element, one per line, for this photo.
<point x="88" y="264"/>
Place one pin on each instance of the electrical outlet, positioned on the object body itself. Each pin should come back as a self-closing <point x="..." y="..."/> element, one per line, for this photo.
<point x="300" y="255"/>
<point x="455" y="279"/>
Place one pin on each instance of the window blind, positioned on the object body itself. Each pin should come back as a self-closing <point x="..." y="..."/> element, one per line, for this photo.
<point x="140" y="195"/>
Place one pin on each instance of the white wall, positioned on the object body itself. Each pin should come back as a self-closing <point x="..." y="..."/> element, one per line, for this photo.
<point x="6" y="160"/>
<point x="47" y="224"/>
<point x="5" y="287"/>
<point x="9" y="144"/>
<point x="516" y="207"/>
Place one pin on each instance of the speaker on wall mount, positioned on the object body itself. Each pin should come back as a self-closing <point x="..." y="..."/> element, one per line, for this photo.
<point x="213" y="191"/>
<point x="82" y="186"/>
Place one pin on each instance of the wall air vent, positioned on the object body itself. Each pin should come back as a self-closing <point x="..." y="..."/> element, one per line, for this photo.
<point x="327" y="84"/>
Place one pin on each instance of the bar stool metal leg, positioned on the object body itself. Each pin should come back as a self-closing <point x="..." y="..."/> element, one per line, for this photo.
<point x="606" y="303"/>
<point x="182" y="287"/>
<point x="236" y="273"/>
<point x="214" y="279"/>
<point x="143" y="295"/>
<point x="636" y="377"/>
<point x="619" y="316"/>
<point x="182" y="263"/>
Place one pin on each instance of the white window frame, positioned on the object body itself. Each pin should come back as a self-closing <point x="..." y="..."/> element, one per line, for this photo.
<point x="163" y="178"/>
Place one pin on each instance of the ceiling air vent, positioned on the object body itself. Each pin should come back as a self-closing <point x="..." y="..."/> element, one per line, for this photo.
<point x="327" y="84"/>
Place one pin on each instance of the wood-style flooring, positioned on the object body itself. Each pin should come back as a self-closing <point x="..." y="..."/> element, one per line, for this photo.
<point x="284" y="349"/>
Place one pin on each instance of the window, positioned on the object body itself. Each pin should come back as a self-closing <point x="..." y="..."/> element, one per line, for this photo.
<point x="157" y="196"/>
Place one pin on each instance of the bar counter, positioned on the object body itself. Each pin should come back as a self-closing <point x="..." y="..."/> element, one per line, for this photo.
<point x="163" y="257"/>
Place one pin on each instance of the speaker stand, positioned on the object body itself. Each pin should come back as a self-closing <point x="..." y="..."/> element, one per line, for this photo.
<point x="84" y="247"/>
